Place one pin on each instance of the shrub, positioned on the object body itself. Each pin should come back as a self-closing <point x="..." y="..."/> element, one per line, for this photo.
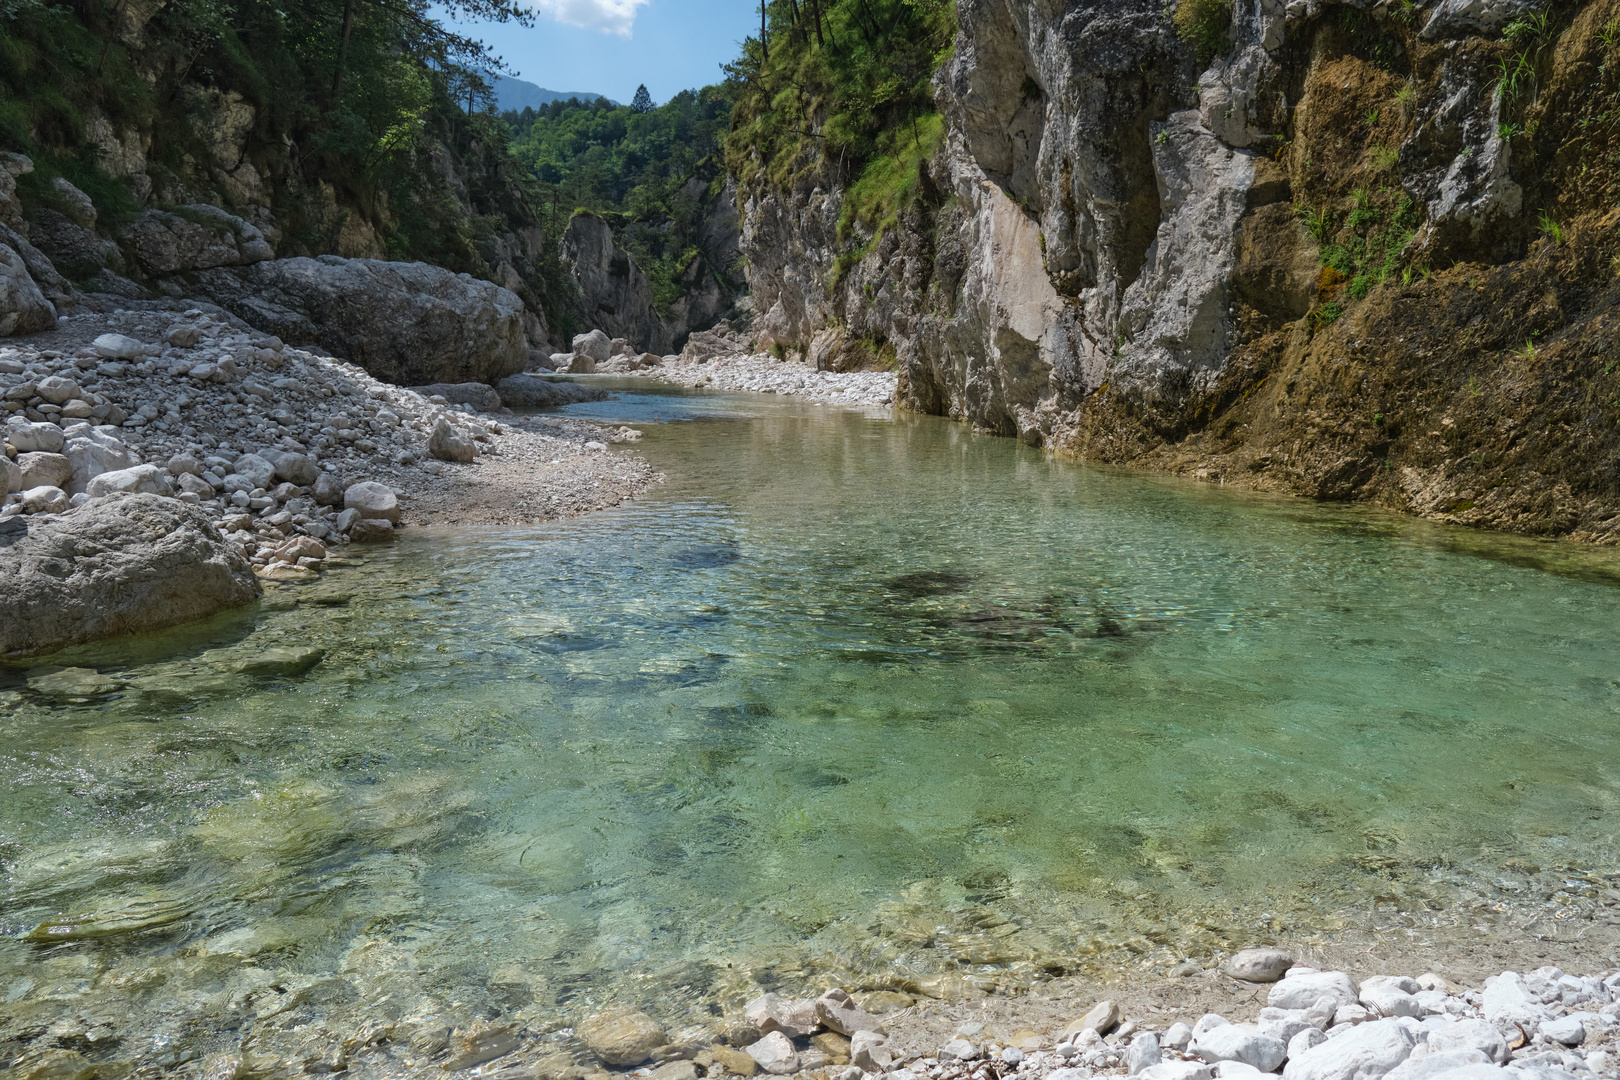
<point x="1206" y="26"/>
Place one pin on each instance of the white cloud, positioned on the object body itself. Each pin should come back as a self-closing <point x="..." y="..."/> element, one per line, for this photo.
<point x="608" y="16"/>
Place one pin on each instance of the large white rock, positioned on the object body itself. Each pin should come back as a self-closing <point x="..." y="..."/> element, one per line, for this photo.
<point x="839" y="1013"/>
<point x="768" y="1012"/>
<point x="594" y="344"/>
<point x="1284" y="1024"/>
<point x="1565" y="1029"/>
<point x="1229" y="1042"/>
<point x="775" y="1054"/>
<point x="373" y="500"/>
<point x="93" y="451"/>
<point x="57" y="390"/>
<point x="869" y="1050"/>
<point x="1363" y="1053"/>
<point x="141" y="479"/>
<point x="1469" y="1033"/>
<point x="1302" y="991"/>
<point x="1508" y="1003"/>
<point x="1434" y="1064"/>
<point x="118" y="347"/>
<point x="256" y="468"/>
<point x="120" y="565"/>
<point x="1386" y="997"/>
<point x="1170" y="1070"/>
<point x="26" y="437"/>
<point x="44" y="499"/>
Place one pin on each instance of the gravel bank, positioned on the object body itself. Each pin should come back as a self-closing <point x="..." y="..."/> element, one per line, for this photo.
<point x="271" y="440"/>
<point x="765" y="374"/>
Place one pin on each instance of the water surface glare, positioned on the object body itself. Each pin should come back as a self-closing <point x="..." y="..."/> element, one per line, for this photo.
<point x="847" y="693"/>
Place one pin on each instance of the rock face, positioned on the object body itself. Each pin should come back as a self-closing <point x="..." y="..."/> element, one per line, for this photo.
<point x="617" y="295"/>
<point x="408" y="323"/>
<point x="193" y="237"/>
<point x="23" y="308"/>
<point x="1122" y="257"/>
<point x="119" y="565"/>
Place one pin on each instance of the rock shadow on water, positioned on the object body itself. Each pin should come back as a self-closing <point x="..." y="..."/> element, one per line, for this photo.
<point x="925" y="583"/>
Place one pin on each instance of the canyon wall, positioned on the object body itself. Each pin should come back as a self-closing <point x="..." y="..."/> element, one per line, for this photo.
<point x="1368" y="252"/>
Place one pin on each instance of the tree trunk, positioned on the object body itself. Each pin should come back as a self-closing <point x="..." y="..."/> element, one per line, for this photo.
<point x="343" y="49"/>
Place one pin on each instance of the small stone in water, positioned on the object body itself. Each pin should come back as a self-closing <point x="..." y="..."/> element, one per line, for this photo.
<point x="622" y="1036"/>
<point x="775" y="1054"/>
<point x="282" y="661"/>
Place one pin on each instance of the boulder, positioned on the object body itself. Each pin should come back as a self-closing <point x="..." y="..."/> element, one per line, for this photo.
<point x="23" y="307"/>
<point x="44" y="499"/>
<point x="140" y="479"/>
<point x="836" y="1011"/>
<point x="795" y="1017"/>
<point x="869" y="1050"/>
<point x="372" y="500"/>
<point x="621" y="1036"/>
<point x="259" y="471"/>
<point x="10" y="476"/>
<point x="57" y="390"/>
<point x="92" y="451"/>
<point x="191" y="238"/>
<point x="1470" y="1034"/>
<point x="294" y="468"/>
<point x="446" y="444"/>
<point x="42" y="469"/>
<point x="119" y="565"/>
<point x="410" y="324"/>
<point x="328" y="492"/>
<point x="118" y="347"/>
<point x="1507" y="1002"/>
<point x="581" y="365"/>
<point x="595" y="345"/>
<point x="775" y="1054"/>
<point x="480" y="396"/>
<point x="25" y="437"/>
<point x="1143" y="1053"/>
<point x="1302" y="991"/>
<point x="1103" y="1018"/>
<point x="1388" y="997"/>
<point x="1367" y="1052"/>
<point x="1229" y="1042"/>
<point x="1259" y="965"/>
<point x="371" y="531"/>
<point x="524" y="391"/>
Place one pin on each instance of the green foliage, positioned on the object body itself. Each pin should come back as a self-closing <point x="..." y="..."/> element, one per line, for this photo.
<point x="1327" y="313"/>
<point x="842" y="95"/>
<point x="648" y="173"/>
<point x="1205" y="25"/>
<point x="1367" y="248"/>
<point x="1384" y="157"/>
<point x="1550" y="227"/>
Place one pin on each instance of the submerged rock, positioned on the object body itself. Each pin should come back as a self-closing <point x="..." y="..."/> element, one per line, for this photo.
<point x="121" y="915"/>
<point x="622" y="1036"/>
<point x="120" y="565"/>
<point x="283" y="660"/>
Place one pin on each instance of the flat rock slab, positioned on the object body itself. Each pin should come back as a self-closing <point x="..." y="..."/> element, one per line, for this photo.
<point x="124" y="564"/>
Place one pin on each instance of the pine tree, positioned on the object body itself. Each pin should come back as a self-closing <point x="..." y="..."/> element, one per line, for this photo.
<point x="642" y="102"/>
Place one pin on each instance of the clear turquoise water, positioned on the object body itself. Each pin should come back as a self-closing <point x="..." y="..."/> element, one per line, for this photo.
<point x="847" y="693"/>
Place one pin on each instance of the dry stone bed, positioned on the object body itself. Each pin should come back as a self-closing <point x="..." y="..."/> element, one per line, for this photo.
<point x="288" y="450"/>
<point x="722" y="359"/>
<point x="1315" y="1025"/>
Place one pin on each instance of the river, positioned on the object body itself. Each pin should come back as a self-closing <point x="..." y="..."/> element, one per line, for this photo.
<point x="850" y="698"/>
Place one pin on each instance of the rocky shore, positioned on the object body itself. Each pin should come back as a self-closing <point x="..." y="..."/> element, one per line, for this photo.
<point x="723" y="358"/>
<point x="287" y="452"/>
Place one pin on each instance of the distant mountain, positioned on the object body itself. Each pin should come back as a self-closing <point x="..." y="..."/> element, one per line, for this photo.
<point x="518" y="94"/>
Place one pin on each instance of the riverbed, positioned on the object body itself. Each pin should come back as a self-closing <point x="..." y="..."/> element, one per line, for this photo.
<point x="853" y="697"/>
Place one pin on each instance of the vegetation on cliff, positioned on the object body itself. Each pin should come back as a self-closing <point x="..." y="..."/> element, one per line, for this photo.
<point x="649" y="171"/>
<point x="840" y="92"/>
<point x="364" y="123"/>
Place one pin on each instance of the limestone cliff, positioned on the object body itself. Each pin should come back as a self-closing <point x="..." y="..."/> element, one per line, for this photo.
<point x="1368" y="252"/>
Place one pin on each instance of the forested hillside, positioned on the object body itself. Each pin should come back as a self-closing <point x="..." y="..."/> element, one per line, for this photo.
<point x="651" y="172"/>
<point x="354" y="127"/>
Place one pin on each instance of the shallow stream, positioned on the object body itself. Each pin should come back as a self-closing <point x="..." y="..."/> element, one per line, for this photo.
<point x="849" y="697"/>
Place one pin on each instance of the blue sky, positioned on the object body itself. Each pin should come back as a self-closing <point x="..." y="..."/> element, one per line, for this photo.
<point x="610" y="46"/>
